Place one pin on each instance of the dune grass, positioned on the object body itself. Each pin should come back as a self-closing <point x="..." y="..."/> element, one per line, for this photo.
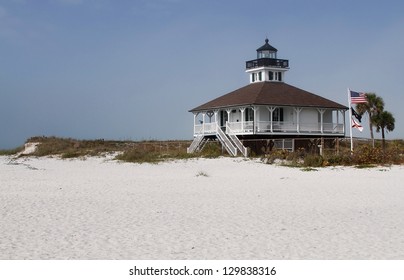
<point x="9" y="152"/>
<point x="152" y="151"/>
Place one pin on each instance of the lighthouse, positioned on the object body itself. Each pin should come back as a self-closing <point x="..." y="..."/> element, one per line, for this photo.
<point x="267" y="110"/>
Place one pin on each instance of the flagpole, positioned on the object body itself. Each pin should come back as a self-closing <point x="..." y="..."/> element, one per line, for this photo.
<point x="350" y="118"/>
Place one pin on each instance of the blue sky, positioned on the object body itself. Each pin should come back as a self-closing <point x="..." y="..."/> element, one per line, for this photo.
<point x="120" y="69"/>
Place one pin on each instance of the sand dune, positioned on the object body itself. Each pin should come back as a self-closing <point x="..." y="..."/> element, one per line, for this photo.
<point x="197" y="209"/>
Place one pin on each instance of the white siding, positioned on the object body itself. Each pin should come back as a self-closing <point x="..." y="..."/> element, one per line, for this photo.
<point x="327" y="117"/>
<point x="309" y="119"/>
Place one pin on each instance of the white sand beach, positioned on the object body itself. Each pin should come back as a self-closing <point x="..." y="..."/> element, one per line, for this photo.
<point x="226" y="208"/>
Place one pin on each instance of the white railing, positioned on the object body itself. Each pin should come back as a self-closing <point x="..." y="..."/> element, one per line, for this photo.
<point x="194" y="145"/>
<point x="205" y="128"/>
<point x="284" y="127"/>
<point x="263" y="127"/>
<point x="333" y="128"/>
<point x="236" y="141"/>
<point x="226" y="142"/>
<point x="310" y="127"/>
<point x="241" y="127"/>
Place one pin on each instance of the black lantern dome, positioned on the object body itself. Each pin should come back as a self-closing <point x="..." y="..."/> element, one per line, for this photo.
<point x="266" y="51"/>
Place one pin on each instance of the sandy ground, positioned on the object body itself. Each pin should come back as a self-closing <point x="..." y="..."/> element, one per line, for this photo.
<point x="197" y="209"/>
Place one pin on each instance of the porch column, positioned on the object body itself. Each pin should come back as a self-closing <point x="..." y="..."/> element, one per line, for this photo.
<point x="271" y="111"/>
<point x="337" y="113"/>
<point x="343" y="121"/>
<point x="298" y="110"/>
<point x="242" y="109"/>
<point x="210" y="115"/>
<point x="203" y="122"/>
<point x="216" y="120"/>
<point x="195" y="115"/>
<point x="322" y="111"/>
<point x="255" y="121"/>
<point x="228" y="118"/>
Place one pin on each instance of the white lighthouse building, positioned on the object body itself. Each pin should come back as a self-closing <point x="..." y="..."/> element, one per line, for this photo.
<point x="267" y="109"/>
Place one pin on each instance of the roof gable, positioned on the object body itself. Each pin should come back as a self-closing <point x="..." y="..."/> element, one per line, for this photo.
<point x="269" y="93"/>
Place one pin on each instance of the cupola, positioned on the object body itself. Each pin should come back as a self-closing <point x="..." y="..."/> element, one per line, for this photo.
<point x="267" y="67"/>
<point x="266" y="51"/>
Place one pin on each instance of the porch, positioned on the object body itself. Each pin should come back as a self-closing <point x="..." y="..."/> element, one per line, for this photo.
<point x="288" y="121"/>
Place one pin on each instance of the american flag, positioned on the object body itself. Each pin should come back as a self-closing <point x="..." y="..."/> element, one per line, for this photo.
<point x="358" y="97"/>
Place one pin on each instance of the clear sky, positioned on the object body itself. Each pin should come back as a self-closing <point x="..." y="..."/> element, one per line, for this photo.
<point x="131" y="69"/>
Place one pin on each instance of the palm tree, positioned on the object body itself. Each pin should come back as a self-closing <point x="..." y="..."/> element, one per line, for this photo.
<point x="374" y="106"/>
<point x="384" y="120"/>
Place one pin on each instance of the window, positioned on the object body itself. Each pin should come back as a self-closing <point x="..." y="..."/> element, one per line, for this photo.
<point x="278" y="76"/>
<point x="253" y="77"/>
<point x="249" y="114"/>
<point x="277" y="115"/>
<point x="263" y="54"/>
<point x="260" y="76"/>
<point x="223" y="118"/>
<point x="270" y="75"/>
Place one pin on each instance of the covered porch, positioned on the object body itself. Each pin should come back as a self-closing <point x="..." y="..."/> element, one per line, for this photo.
<point x="271" y="120"/>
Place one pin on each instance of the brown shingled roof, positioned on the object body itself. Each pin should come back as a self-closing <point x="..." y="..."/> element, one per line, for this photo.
<point x="269" y="93"/>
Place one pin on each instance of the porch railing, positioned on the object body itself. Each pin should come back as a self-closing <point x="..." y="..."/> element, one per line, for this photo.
<point x="265" y="127"/>
<point x="274" y="62"/>
<point x="240" y="127"/>
<point x="205" y="129"/>
<point x="231" y="149"/>
<point x="286" y="127"/>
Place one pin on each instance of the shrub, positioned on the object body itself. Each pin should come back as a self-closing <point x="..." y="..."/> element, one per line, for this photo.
<point x="276" y="154"/>
<point x="211" y="150"/>
<point x="139" y="156"/>
<point x="339" y="159"/>
<point x="313" y="161"/>
<point x="368" y="155"/>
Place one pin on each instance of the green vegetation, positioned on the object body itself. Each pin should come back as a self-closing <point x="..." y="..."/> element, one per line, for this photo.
<point x="384" y="121"/>
<point x="72" y="148"/>
<point x="374" y="105"/>
<point x="140" y="152"/>
<point x="364" y="155"/>
<point x="378" y="117"/>
<point x="10" y="152"/>
<point x="202" y="174"/>
<point x="161" y="151"/>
